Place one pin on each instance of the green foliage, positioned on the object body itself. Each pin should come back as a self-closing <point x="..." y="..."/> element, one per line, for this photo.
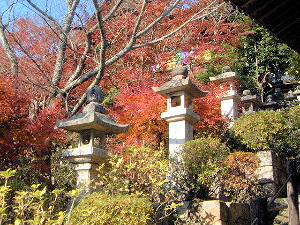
<point x="209" y="71"/>
<point x="61" y="170"/>
<point x="239" y="180"/>
<point x="258" y="53"/>
<point x="270" y="130"/>
<point x="262" y="53"/>
<point x="101" y="208"/>
<point x="203" y="159"/>
<point x="294" y="60"/>
<point x="110" y="97"/>
<point x="135" y="170"/>
<point x="33" y="206"/>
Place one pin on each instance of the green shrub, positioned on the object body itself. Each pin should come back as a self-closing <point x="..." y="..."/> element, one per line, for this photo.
<point x="101" y="208"/>
<point x="135" y="170"/>
<point x="203" y="159"/>
<point x="270" y="130"/>
<point x="35" y="205"/>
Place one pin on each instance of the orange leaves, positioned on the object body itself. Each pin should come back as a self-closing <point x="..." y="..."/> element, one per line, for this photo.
<point x="142" y="112"/>
<point x="240" y="181"/>
<point x="21" y="137"/>
<point x="209" y="108"/>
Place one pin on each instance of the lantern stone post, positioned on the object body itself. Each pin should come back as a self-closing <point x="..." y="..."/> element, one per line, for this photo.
<point x="180" y="92"/>
<point x="231" y="98"/>
<point x="93" y="126"/>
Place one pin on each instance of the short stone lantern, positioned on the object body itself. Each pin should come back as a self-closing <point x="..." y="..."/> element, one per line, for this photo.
<point x="250" y="103"/>
<point x="93" y="126"/>
<point x="270" y="104"/>
<point x="180" y="92"/>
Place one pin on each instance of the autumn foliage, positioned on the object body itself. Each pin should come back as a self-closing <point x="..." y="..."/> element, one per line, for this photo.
<point x="38" y="93"/>
<point x="23" y="139"/>
<point x="240" y="179"/>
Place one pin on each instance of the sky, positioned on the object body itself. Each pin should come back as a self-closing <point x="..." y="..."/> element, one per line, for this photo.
<point x="56" y="8"/>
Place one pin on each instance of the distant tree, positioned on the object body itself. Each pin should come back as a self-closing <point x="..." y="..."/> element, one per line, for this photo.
<point x="259" y="55"/>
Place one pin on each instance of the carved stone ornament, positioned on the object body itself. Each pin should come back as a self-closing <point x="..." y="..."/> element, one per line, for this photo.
<point x="95" y="94"/>
<point x="180" y="70"/>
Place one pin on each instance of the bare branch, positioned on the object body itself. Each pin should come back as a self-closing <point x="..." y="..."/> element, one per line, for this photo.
<point x="43" y="13"/>
<point x="130" y="47"/>
<point x="113" y="10"/>
<point x="101" y="66"/>
<point x="139" y="20"/>
<point x="8" y="49"/>
<point x="59" y="65"/>
<point x="195" y="17"/>
<point x="81" y="80"/>
<point x="166" y="13"/>
<point x="78" y="105"/>
<point x="104" y="43"/>
<point x="111" y="13"/>
<point x="29" y="56"/>
<point x="130" y="41"/>
<point x="83" y="58"/>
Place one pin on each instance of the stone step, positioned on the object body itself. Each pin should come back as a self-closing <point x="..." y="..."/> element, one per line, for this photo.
<point x="282" y="218"/>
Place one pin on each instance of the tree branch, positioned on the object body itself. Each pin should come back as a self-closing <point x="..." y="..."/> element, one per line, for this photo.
<point x="30" y="57"/>
<point x="195" y="17"/>
<point x="101" y="66"/>
<point x="166" y="13"/>
<point x="82" y="61"/>
<point x="60" y="60"/>
<point x="130" y="46"/>
<point x="8" y="49"/>
<point x="112" y="12"/>
<point x="44" y="13"/>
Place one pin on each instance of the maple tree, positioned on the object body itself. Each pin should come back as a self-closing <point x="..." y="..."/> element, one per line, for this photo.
<point x="55" y="56"/>
<point x="121" y="46"/>
<point x="142" y="111"/>
<point x="23" y="140"/>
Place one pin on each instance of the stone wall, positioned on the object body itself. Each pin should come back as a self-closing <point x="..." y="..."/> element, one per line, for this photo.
<point x="271" y="172"/>
<point x="213" y="212"/>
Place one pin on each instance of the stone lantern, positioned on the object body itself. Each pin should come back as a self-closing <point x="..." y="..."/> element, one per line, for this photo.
<point x="93" y="126"/>
<point x="297" y="93"/>
<point x="250" y="103"/>
<point x="231" y="98"/>
<point x="179" y="92"/>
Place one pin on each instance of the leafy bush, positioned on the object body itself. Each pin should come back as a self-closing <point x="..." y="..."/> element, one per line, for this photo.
<point x="101" y="208"/>
<point x="270" y="130"/>
<point x="203" y="159"/>
<point x="33" y="206"/>
<point x="135" y="170"/>
<point x="239" y="180"/>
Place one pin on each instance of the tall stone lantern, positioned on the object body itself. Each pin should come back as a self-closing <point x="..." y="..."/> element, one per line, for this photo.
<point x="179" y="92"/>
<point x="93" y="126"/>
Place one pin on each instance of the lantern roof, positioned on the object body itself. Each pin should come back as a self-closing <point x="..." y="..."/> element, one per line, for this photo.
<point x="93" y="117"/>
<point x="179" y="83"/>
<point x="92" y="121"/>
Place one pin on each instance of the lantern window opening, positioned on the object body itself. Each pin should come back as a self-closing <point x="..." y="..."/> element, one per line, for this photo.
<point x="175" y="101"/>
